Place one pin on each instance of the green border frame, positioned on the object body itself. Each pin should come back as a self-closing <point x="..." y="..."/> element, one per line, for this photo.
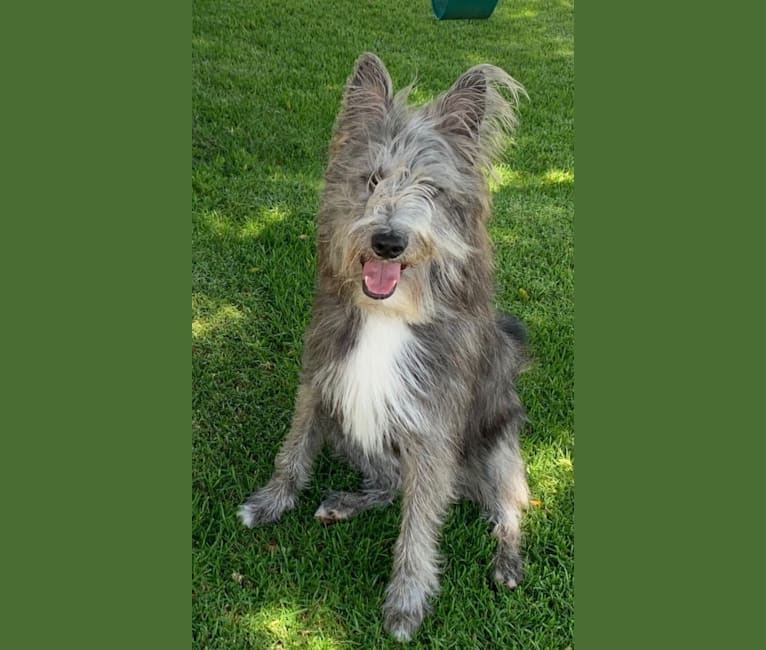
<point x="95" y="248"/>
<point x="96" y="197"/>
<point x="665" y="249"/>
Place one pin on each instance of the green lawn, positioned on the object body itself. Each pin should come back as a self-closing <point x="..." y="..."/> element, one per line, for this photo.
<point x="267" y="80"/>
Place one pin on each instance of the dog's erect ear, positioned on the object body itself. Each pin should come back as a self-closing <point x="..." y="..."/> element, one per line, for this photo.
<point x="479" y="111"/>
<point x="368" y="94"/>
<point x="464" y="105"/>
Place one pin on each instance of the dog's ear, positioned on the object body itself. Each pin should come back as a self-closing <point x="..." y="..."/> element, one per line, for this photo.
<point x="464" y="105"/>
<point x="479" y="111"/>
<point x="368" y="94"/>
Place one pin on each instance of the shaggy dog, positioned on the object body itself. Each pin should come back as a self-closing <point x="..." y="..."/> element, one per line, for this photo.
<point x="407" y="369"/>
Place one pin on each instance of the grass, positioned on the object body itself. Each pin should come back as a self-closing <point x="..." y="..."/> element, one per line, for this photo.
<point x="267" y="79"/>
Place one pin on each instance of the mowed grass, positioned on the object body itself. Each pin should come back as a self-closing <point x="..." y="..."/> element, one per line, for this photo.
<point x="267" y="81"/>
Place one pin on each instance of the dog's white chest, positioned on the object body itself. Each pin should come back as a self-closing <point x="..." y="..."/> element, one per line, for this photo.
<point x="370" y="389"/>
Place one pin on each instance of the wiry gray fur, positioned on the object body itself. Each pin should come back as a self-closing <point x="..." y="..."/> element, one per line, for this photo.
<point x="437" y="417"/>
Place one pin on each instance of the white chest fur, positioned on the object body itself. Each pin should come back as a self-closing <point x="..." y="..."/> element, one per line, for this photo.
<point x="370" y="389"/>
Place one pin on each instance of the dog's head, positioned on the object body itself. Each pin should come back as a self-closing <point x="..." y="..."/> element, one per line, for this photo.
<point x="405" y="200"/>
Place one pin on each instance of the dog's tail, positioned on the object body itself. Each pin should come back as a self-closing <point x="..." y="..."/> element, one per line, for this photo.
<point x="515" y="330"/>
<point x="513" y="327"/>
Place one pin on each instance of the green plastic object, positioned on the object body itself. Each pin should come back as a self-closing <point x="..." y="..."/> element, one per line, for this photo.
<point x="456" y="9"/>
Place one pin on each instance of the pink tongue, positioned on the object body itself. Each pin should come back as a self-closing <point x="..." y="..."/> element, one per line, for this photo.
<point x="381" y="277"/>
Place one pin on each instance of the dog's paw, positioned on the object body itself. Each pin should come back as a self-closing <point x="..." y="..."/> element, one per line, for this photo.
<point x="404" y="610"/>
<point x="334" y="509"/>
<point x="264" y="506"/>
<point x="402" y="625"/>
<point x="509" y="569"/>
<point x="328" y="516"/>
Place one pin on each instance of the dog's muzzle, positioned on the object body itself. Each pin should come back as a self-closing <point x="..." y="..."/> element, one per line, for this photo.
<point x="388" y="244"/>
<point x="381" y="276"/>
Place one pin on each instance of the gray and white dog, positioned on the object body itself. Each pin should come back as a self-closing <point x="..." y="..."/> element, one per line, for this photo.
<point x="407" y="368"/>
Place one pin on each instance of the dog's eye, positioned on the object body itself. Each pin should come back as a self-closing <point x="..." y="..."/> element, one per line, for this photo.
<point x="372" y="181"/>
<point x="432" y="189"/>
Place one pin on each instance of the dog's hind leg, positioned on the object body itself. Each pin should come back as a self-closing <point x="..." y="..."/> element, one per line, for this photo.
<point x="511" y="501"/>
<point x="292" y="466"/>
<point x="380" y="486"/>
<point x="498" y="483"/>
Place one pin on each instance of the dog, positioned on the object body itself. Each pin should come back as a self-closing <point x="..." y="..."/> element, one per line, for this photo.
<point x="407" y="368"/>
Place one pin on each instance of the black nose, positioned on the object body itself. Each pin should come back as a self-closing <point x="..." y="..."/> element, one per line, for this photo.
<point x="388" y="244"/>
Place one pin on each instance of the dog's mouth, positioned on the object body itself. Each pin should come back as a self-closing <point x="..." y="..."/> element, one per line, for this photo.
<point x="380" y="278"/>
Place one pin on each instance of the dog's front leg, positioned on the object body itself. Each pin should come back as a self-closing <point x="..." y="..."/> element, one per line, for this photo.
<point x="428" y="484"/>
<point x="292" y="466"/>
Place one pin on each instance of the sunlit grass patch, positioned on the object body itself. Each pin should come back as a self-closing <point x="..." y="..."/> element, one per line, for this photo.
<point x="282" y="628"/>
<point x="559" y="176"/>
<point x="265" y="218"/>
<point x="207" y="317"/>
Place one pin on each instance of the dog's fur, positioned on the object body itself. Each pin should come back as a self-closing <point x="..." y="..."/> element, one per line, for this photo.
<point x="415" y="387"/>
